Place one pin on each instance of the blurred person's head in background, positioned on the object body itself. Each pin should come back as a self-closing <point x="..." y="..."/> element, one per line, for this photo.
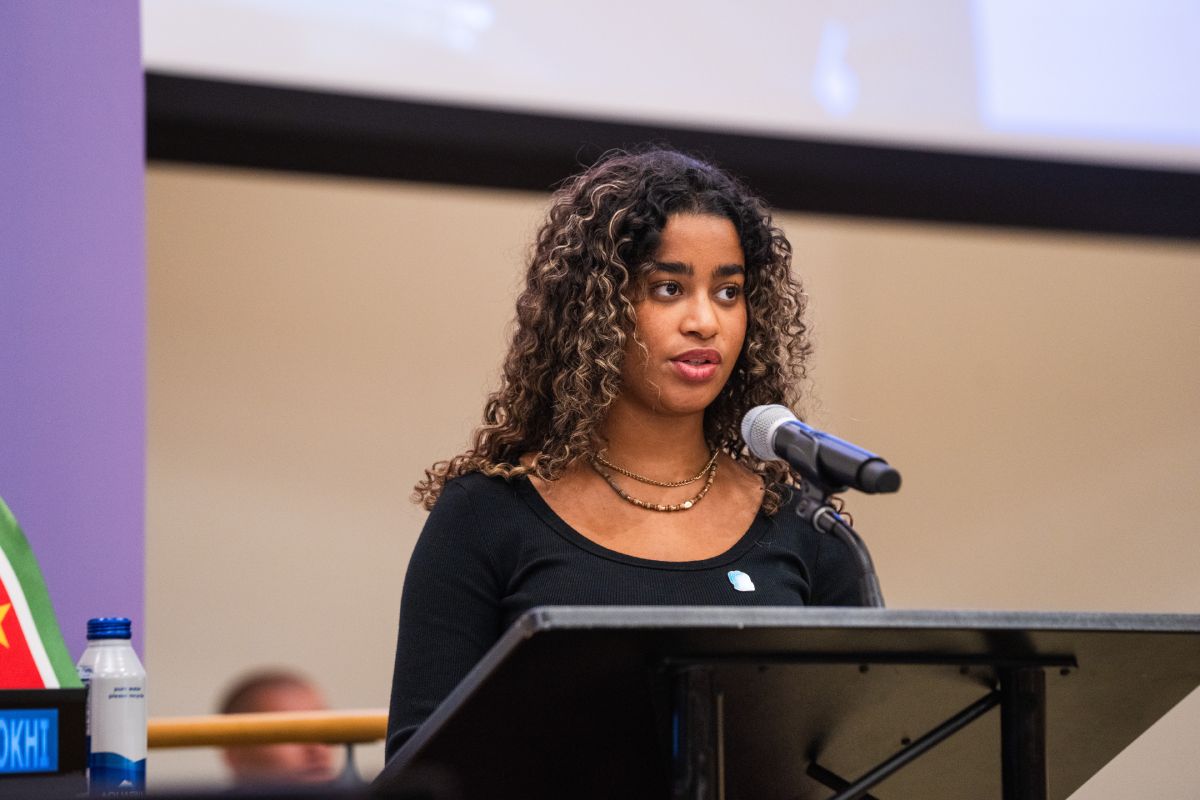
<point x="277" y="690"/>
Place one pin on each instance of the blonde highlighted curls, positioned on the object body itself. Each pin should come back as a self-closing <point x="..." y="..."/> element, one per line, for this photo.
<point x="563" y="368"/>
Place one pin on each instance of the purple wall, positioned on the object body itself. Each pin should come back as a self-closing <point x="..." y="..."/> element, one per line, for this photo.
<point x="72" y="301"/>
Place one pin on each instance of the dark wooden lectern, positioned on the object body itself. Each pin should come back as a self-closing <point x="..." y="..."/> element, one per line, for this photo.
<point x="799" y="704"/>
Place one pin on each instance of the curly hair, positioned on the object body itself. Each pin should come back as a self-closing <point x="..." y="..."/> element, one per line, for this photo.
<point x="587" y="267"/>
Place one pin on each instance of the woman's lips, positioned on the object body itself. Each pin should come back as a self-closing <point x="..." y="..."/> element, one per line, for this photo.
<point x="697" y="365"/>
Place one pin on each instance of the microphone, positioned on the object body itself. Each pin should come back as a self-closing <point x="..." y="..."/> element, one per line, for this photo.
<point x="774" y="432"/>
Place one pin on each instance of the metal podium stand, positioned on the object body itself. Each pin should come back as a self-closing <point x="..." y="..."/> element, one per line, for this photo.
<point x="803" y="704"/>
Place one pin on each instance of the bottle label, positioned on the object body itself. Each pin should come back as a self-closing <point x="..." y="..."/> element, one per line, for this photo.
<point x="117" y="761"/>
<point x="114" y="775"/>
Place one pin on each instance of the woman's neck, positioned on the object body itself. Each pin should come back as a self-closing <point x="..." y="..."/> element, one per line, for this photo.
<point x="659" y="446"/>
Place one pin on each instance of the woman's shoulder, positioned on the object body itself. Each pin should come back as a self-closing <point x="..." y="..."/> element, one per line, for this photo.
<point x="792" y="504"/>
<point x="833" y="565"/>
<point x="475" y="513"/>
<point x="788" y="513"/>
<point x="478" y="499"/>
<point x="472" y="485"/>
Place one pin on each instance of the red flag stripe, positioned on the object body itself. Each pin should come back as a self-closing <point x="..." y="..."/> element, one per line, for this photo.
<point x="24" y="663"/>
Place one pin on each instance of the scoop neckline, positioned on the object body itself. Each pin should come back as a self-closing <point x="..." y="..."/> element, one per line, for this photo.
<point x="533" y="498"/>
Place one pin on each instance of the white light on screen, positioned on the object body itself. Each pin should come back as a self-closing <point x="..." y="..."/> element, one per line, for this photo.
<point x="1102" y="70"/>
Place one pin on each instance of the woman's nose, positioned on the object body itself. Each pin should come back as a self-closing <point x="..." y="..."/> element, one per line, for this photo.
<point x="701" y="318"/>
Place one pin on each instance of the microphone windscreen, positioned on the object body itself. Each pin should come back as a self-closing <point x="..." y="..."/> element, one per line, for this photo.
<point x="758" y="429"/>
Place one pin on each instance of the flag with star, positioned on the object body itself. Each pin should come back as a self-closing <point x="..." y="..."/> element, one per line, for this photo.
<point x="33" y="654"/>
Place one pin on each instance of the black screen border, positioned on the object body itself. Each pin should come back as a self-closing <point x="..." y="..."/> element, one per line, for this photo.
<point x="217" y="122"/>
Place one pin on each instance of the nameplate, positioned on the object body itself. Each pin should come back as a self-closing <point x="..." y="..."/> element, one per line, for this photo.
<point x="28" y="740"/>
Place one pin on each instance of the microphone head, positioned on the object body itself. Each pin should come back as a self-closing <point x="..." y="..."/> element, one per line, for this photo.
<point x="759" y="426"/>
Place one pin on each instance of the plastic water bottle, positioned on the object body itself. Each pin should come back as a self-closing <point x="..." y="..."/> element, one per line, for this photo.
<point x="116" y="709"/>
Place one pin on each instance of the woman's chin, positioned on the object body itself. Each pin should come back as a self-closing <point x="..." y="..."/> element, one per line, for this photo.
<point x="684" y="404"/>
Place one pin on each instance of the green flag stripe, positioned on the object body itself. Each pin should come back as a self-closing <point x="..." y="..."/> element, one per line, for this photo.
<point x="20" y="555"/>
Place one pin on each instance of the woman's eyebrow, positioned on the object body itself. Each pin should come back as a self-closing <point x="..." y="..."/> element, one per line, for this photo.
<point x="679" y="268"/>
<point x="674" y="268"/>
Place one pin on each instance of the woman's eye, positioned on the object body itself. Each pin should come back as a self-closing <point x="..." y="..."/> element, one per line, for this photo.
<point x="729" y="292"/>
<point x="667" y="289"/>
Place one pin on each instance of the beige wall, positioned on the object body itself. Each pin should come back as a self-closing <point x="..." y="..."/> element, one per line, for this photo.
<point x="315" y="342"/>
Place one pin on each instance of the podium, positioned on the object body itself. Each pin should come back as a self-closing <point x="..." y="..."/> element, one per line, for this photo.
<point x="803" y="703"/>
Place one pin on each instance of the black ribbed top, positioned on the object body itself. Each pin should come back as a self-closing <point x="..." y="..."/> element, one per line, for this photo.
<point x="493" y="549"/>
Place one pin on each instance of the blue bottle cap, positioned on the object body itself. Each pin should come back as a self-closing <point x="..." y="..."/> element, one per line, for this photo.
<point x="109" y="628"/>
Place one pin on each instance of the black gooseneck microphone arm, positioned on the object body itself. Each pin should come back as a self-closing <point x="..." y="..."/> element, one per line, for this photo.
<point x="815" y="507"/>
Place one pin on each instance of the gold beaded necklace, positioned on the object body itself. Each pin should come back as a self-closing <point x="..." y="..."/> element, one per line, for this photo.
<point x="710" y="469"/>
<point x="599" y="458"/>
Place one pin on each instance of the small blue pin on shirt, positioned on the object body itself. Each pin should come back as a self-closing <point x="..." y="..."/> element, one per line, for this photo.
<point x="740" y="580"/>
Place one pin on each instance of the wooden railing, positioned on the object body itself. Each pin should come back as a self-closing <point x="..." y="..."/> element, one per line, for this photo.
<point x="228" y="730"/>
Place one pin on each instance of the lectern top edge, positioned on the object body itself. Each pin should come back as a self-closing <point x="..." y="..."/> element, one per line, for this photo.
<point x="546" y="618"/>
